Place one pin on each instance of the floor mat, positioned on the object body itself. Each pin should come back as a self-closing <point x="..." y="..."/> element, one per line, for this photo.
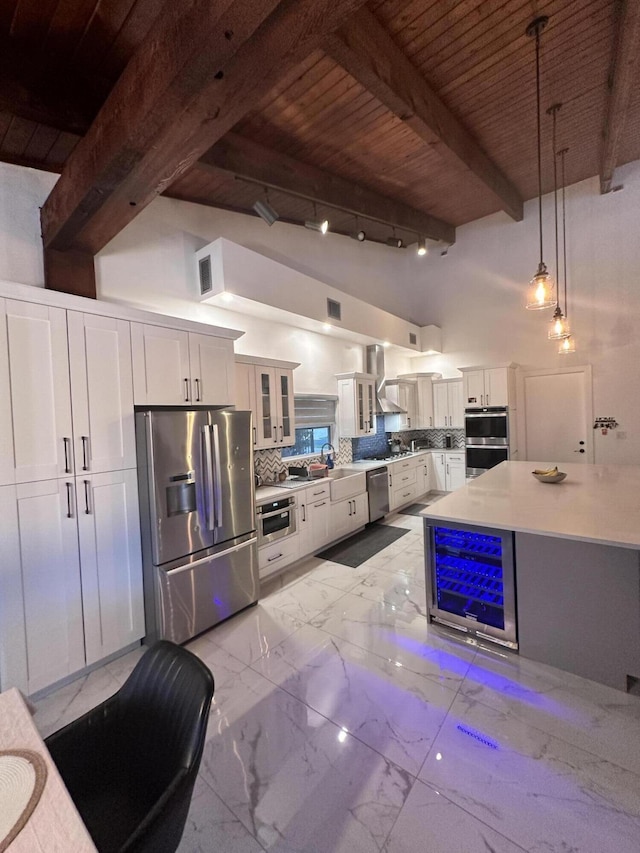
<point x="359" y="548"/>
<point x="413" y="509"/>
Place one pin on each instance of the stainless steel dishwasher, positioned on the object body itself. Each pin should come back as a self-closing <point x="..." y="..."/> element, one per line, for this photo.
<point x="378" y="492"/>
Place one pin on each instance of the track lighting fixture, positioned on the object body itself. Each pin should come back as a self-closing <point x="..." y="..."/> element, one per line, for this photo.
<point x="315" y="224"/>
<point x="359" y="234"/>
<point x="395" y="241"/>
<point x="422" y="248"/>
<point x="265" y="211"/>
<point x="540" y="294"/>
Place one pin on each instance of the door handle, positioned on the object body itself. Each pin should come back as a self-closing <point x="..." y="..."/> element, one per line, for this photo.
<point x="217" y="486"/>
<point x="275" y="433"/>
<point x="186" y="390"/>
<point x="304" y="514"/>
<point x="255" y="436"/>
<point x="87" y="511"/>
<point x="67" y="457"/>
<point x="208" y="477"/>
<point x="197" y="381"/>
<point x="281" y="433"/>
<point x="85" y="452"/>
<point x="579" y="451"/>
<point x="69" y="500"/>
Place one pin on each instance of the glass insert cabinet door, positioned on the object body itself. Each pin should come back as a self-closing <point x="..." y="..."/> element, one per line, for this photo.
<point x="275" y="419"/>
<point x="286" y="405"/>
<point x="266" y="408"/>
<point x="361" y="416"/>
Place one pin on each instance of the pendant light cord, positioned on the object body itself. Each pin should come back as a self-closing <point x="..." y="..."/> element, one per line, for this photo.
<point x="539" y="137"/>
<point x="564" y="234"/>
<point x="554" y="112"/>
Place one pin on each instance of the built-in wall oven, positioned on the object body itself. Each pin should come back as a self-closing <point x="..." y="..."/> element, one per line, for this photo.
<point x="276" y="519"/>
<point x="486" y="438"/>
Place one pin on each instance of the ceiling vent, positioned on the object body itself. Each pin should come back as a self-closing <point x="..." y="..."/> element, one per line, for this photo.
<point x="334" y="310"/>
<point x="204" y="272"/>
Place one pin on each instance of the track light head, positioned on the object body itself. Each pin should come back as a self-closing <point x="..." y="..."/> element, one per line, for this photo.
<point x="321" y="225"/>
<point x="360" y="235"/>
<point x="396" y="242"/>
<point x="266" y="212"/>
<point x="422" y="248"/>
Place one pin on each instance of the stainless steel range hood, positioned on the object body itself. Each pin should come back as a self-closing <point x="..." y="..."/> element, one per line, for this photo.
<point x="375" y="365"/>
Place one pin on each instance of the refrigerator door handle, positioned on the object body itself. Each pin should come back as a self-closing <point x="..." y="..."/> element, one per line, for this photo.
<point x="217" y="486"/>
<point x="208" y="477"/>
<point x="188" y="566"/>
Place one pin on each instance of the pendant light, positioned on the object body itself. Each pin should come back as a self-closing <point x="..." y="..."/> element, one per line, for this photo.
<point x="568" y="343"/>
<point x="540" y="293"/>
<point x="559" y="326"/>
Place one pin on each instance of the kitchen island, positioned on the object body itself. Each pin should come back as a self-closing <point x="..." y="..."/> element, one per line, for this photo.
<point x="577" y="561"/>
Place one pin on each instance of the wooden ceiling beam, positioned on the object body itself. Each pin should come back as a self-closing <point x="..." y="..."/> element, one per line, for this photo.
<point x="202" y="67"/>
<point x="235" y="155"/>
<point x="365" y="49"/>
<point x="624" y="73"/>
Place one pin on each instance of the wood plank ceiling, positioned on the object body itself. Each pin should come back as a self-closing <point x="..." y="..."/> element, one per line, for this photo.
<point x="418" y="113"/>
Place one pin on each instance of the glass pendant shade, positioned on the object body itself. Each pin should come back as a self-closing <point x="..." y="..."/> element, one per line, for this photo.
<point x="559" y="326"/>
<point x="567" y="345"/>
<point x="540" y="291"/>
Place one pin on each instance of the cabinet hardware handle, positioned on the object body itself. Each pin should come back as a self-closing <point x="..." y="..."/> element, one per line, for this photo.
<point x="186" y="390"/>
<point x="87" y="511"/>
<point x="275" y="557"/>
<point x="69" y="508"/>
<point x="275" y="433"/>
<point x="281" y="433"/>
<point x="255" y="436"/>
<point x="406" y="495"/>
<point x="350" y="502"/>
<point x="67" y="466"/>
<point x="579" y="451"/>
<point x="322" y="504"/>
<point x="487" y="403"/>
<point x="354" y="507"/>
<point x="318" y="493"/>
<point x="447" y="468"/>
<point x="197" y="381"/>
<point x="482" y="399"/>
<point x="430" y="421"/>
<point x="304" y="514"/>
<point x="85" y="453"/>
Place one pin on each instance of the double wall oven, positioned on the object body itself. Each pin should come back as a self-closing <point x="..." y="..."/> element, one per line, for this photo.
<point x="486" y="438"/>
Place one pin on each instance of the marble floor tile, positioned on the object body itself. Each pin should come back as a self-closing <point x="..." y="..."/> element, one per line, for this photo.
<point x="591" y="716"/>
<point x="213" y="828"/>
<point x="298" y="782"/>
<point x="391" y="709"/>
<point x="251" y="634"/>
<point x="338" y="576"/>
<point x="399" y="636"/>
<point x="409" y="563"/>
<point x="304" y="599"/>
<point x="430" y="822"/>
<point x="394" y="588"/>
<point x="535" y="789"/>
<point x="223" y="665"/>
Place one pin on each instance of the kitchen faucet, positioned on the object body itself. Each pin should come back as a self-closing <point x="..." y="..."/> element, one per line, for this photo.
<point x="326" y="444"/>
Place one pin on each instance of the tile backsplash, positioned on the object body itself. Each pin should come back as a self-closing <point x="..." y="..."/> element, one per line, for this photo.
<point x="269" y="463"/>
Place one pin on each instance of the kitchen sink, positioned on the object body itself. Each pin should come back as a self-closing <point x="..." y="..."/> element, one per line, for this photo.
<point x="346" y="483"/>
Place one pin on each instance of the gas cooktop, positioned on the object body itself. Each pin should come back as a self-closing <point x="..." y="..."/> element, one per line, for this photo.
<point x="389" y="458"/>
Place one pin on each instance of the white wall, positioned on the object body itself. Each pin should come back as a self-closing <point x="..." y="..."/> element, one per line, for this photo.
<point x="476" y="293"/>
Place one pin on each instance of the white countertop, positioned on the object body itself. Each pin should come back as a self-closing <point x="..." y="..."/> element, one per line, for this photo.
<point x="596" y="503"/>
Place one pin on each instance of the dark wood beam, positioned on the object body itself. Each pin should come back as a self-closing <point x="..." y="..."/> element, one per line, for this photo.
<point x="365" y="49"/>
<point x="624" y="69"/>
<point x="202" y="67"/>
<point x="70" y="272"/>
<point x="30" y="89"/>
<point x="243" y="158"/>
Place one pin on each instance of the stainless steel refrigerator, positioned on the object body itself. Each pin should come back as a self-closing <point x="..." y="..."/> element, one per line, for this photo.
<point x="197" y="493"/>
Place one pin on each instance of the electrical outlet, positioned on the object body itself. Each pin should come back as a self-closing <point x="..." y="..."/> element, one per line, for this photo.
<point x="621" y="435"/>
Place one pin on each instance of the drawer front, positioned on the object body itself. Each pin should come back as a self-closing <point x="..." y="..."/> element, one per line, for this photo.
<point x="317" y="493"/>
<point x="274" y="557"/>
<point x="455" y="457"/>
<point x="405" y="495"/>
<point x="404" y="478"/>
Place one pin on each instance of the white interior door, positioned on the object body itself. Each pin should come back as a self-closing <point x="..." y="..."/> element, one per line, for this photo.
<point x="557" y="408"/>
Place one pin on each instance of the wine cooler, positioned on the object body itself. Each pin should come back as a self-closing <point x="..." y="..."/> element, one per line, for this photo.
<point x="471" y="581"/>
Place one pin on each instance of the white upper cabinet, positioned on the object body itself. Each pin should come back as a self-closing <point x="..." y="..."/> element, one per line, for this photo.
<point x="212" y="370"/>
<point x="176" y="368"/>
<point x="102" y="393"/>
<point x="356" y="404"/>
<point x="404" y="394"/>
<point x="448" y="408"/>
<point x="271" y="402"/>
<point x="488" y="386"/>
<point x="35" y="426"/>
<point x="422" y="417"/>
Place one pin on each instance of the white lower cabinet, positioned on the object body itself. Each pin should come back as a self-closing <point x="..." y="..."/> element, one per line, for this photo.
<point x="54" y="596"/>
<point x="272" y="558"/>
<point x="110" y="560"/>
<point x="348" y="515"/>
<point x="423" y="475"/>
<point x="318" y="512"/>
<point x="41" y="625"/>
<point x="449" y="471"/>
